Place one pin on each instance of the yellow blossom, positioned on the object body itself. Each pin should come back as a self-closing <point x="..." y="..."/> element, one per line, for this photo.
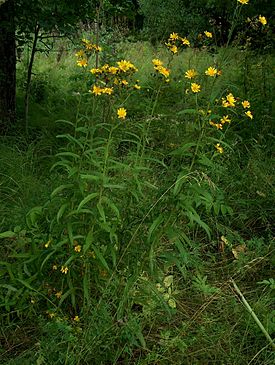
<point x="97" y="48"/>
<point x="225" y="119"/>
<point x="219" y="148"/>
<point x="156" y="62"/>
<point x="229" y="101"/>
<point x="249" y="114"/>
<point x="76" y="318"/>
<point x="95" y="71"/>
<point x="195" y="87"/>
<point x="208" y="34"/>
<point x="246" y="104"/>
<point x="107" y="90"/>
<point x="174" y="49"/>
<point x="121" y="113"/>
<point x="54" y="267"/>
<point x="211" y="71"/>
<point x="243" y="2"/>
<point x="174" y="36"/>
<point x="185" y="41"/>
<point x="262" y="20"/>
<point x="217" y="125"/>
<point x="82" y="63"/>
<point x="47" y="244"/>
<point x="64" y="269"/>
<point x="96" y="90"/>
<point x="136" y="86"/>
<point x="126" y="66"/>
<point x="124" y="82"/>
<point x="80" y="53"/>
<point x="219" y="72"/>
<point x="77" y="248"/>
<point x="189" y="74"/>
<point x="58" y="294"/>
<point x="164" y="71"/>
<point x="113" y="70"/>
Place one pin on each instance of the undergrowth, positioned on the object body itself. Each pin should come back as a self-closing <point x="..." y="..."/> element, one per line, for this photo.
<point x="121" y="238"/>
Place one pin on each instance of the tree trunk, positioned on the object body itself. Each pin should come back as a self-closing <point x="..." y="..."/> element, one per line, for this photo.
<point x="7" y="65"/>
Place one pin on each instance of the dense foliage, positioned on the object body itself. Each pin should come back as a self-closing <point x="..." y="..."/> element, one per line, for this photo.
<point x="137" y="191"/>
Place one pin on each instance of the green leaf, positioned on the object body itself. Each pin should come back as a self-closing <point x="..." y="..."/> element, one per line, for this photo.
<point x="88" y="241"/>
<point x="61" y="211"/>
<point x="7" y="234"/>
<point x="61" y="188"/>
<point x="100" y="257"/>
<point x="68" y="154"/>
<point x="188" y="111"/>
<point x="157" y="222"/>
<point x="87" y="199"/>
<point x="101" y="211"/>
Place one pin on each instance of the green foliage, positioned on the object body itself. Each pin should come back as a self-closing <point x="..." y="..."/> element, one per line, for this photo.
<point x="126" y="254"/>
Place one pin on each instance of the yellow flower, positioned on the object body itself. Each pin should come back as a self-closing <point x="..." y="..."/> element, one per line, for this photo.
<point x="156" y="62"/>
<point x="219" y="72"/>
<point x="95" y="71"/>
<point x="97" y="90"/>
<point x="80" y="53"/>
<point x="54" y="267"/>
<point x="189" y="74"/>
<point x="217" y="125"/>
<point x="164" y="71"/>
<point x="77" y="248"/>
<point x="174" y="36"/>
<point x="185" y="41"/>
<point x="243" y="2"/>
<point x="246" y="104"/>
<point x="249" y="114"/>
<point x="64" y="269"/>
<point x="97" y="48"/>
<point x="208" y="34"/>
<point x="76" y="319"/>
<point x="47" y="244"/>
<point x="126" y="66"/>
<point x="219" y="148"/>
<point x="174" y="49"/>
<point x="113" y="70"/>
<point x="262" y="20"/>
<point x="136" y="86"/>
<point x="195" y="87"/>
<point x="58" y="294"/>
<point x="82" y="63"/>
<point x="121" y="113"/>
<point x="225" y="119"/>
<point x="107" y="90"/>
<point x="229" y="101"/>
<point x="211" y="71"/>
<point x="124" y="82"/>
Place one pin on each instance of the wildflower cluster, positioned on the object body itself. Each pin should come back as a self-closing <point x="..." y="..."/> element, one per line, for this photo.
<point x="161" y="70"/>
<point x="229" y="102"/>
<point x="109" y="78"/>
<point x="192" y="73"/>
<point x="87" y="50"/>
<point x="176" y="42"/>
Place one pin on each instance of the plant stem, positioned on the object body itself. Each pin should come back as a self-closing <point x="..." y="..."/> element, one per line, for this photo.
<point x="250" y="310"/>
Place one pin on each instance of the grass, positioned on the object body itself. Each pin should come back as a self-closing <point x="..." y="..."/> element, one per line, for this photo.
<point x="165" y="236"/>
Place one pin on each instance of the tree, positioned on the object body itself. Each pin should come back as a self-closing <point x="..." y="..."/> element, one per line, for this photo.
<point x="26" y="18"/>
<point x="7" y="64"/>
